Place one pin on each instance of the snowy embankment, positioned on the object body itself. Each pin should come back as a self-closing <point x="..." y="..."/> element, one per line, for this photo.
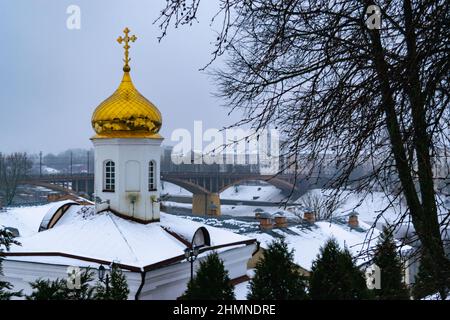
<point x="375" y="206"/>
<point x="173" y="190"/>
<point x="307" y="242"/>
<point x="264" y="192"/>
<point x="48" y="170"/>
<point x="368" y="207"/>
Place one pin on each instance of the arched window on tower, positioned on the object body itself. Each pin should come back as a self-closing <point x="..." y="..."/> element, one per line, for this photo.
<point x="109" y="176"/>
<point x="152" y="176"/>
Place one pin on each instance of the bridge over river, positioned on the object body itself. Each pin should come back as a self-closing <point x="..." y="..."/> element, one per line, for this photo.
<point x="205" y="186"/>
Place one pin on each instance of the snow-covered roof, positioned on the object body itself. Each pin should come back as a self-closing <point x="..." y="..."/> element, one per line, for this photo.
<point x="305" y="238"/>
<point x="264" y="215"/>
<point x="306" y="241"/>
<point x="104" y="237"/>
<point x="27" y="219"/>
<point x="279" y="214"/>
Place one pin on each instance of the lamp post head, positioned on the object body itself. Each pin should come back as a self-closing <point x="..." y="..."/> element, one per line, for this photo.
<point x="101" y="272"/>
<point x="196" y="252"/>
<point x="187" y="253"/>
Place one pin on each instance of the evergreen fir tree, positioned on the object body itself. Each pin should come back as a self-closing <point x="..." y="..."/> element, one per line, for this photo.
<point x="387" y="259"/>
<point x="48" y="290"/>
<point x="117" y="286"/>
<point x="211" y="281"/>
<point x="334" y="275"/>
<point x="6" y="239"/>
<point x="277" y="276"/>
<point x="86" y="291"/>
<point x="59" y="290"/>
<point x="425" y="284"/>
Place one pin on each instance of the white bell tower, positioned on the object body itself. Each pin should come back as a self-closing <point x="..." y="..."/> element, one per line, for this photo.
<point x="127" y="151"/>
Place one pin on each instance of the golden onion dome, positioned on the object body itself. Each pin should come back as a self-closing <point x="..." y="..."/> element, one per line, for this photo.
<point x="126" y="113"/>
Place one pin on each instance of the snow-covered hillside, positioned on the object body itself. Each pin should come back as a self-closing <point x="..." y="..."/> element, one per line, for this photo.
<point x="249" y="211"/>
<point x="265" y="192"/>
<point x="173" y="190"/>
<point x="368" y="207"/>
<point x="304" y="238"/>
<point x="306" y="242"/>
<point x="48" y="170"/>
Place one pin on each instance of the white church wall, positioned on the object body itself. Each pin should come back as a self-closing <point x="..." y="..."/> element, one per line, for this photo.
<point x="166" y="283"/>
<point x="132" y="176"/>
<point x="21" y="273"/>
<point x="171" y="282"/>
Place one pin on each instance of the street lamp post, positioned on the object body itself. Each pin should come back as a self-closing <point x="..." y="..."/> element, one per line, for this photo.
<point x="103" y="279"/>
<point x="191" y="255"/>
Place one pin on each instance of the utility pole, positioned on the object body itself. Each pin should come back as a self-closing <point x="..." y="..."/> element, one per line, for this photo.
<point x="87" y="162"/>
<point x="71" y="172"/>
<point x="40" y="164"/>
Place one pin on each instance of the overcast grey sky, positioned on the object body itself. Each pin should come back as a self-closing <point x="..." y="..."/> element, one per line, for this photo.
<point x="53" y="78"/>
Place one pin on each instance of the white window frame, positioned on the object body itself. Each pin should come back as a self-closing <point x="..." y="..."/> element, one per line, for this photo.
<point x="109" y="176"/>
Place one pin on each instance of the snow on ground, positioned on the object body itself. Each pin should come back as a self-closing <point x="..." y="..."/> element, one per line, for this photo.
<point x="173" y="190"/>
<point x="241" y="290"/>
<point x="249" y="211"/>
<point x="177" y="205"/>
<point x="264" y="192"/>
<point x="368" y="208"/>
<point x="41" y="189"/>
<point x="435" y="296"/>
<point x="234" y="210"/>
<point x="307" y="241"/>
<point x="231" y="224"/>
<point x="48" y="170"/>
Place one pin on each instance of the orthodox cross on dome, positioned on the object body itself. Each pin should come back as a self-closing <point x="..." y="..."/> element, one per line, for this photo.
<point x="126" y="40"/>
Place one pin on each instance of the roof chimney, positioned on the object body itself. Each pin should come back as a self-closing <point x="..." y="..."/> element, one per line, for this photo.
<point x="309" y="215"/>
<point x="265" y="221"/>
<point x="280" y="220"/>
<point x="353" y="220"/>
<point x="258" y="212"/>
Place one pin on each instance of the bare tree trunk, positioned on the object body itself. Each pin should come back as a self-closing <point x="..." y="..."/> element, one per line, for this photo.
<point x="13" y="168"/>
<point x="423" y="211"/>
<point x="427" y="223"/>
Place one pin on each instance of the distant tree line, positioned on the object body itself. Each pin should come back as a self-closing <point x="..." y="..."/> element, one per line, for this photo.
<point x="13" y="168"/>
<point x="70" y="160"/>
